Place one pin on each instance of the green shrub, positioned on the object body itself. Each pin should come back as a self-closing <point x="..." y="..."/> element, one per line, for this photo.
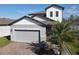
<point x="76" y="43"/>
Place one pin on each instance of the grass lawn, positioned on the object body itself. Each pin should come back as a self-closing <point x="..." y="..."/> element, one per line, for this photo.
<point x="72" y="48"/>
<point x="4" y="41"/>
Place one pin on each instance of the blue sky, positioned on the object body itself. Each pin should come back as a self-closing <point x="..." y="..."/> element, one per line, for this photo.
<point x="15" y="11"/>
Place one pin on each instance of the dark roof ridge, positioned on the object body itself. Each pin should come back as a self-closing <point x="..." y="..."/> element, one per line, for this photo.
<point x="17" y="20"/>
<point x="55" y="5"/>
<point x="36" y="13"/>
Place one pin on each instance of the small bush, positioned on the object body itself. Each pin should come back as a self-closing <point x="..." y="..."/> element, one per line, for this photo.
<point x="7" y="37"/>
<point x="42" y="49"/>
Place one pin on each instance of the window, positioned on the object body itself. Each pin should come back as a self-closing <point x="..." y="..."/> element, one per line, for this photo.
<point x="56" y="13"/>
<point x="51" y="14"/>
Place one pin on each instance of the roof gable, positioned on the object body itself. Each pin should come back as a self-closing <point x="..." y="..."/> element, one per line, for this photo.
<point x="56" y="6"/>
<point x="29" y="19"/>
<point x="24" y="22"/>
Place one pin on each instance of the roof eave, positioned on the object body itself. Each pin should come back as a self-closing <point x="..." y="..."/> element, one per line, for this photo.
<point x="54" y="6"/>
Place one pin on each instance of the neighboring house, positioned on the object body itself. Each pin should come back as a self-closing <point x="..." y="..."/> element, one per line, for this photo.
<point x="5" y="26"/>
<point x="33" y="28"/>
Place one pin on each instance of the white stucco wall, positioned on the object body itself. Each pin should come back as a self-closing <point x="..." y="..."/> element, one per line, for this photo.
<point x="53" y="9"/>
<point x="27" y="25"/>
<point x="4" y="31"/>
<point x="24" y="22"/>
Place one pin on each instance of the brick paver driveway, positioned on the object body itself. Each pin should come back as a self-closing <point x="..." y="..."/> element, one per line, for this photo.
<point x="16" y="48"/>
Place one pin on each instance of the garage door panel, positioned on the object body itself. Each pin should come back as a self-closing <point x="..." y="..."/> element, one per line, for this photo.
<point x="27" y="36"/>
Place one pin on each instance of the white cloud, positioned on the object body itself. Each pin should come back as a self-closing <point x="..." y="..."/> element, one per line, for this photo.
<point x="25" y="11"/>
<point x="72" y="10"/>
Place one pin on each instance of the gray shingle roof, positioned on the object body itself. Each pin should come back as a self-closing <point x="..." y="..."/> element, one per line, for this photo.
<point x="48" y="21"/>
<point x="38" y="13"/>
<point x="5" y="21"/>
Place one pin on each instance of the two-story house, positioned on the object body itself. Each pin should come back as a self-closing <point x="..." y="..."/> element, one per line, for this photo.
<point x="33" y="28"/>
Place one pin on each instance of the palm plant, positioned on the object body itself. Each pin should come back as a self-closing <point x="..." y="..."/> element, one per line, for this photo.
<point x="63" y="32"/>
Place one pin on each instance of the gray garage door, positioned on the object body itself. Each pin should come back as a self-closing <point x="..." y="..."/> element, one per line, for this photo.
<point x="27" y="35"/>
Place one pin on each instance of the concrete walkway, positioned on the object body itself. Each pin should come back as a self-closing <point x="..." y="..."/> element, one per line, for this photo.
<point x="15" y="48"/>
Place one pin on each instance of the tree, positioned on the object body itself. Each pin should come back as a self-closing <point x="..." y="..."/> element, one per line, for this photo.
<point x="71" y="17"/>
<point x="62" y="32"/>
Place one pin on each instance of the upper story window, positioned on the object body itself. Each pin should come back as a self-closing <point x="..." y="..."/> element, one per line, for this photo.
<point x="51" y="14"/>
<point x="57" y="13"/>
